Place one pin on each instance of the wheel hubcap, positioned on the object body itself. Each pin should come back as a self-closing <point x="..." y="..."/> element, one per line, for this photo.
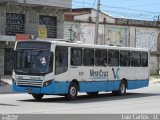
<point x="73" y="91"/>
<point x="122" y="88"/>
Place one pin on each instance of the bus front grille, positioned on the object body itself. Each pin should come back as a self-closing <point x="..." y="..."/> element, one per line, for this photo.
<point x="29" y="82"/>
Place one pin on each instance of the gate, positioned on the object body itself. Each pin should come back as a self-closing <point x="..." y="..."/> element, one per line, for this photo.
<point x="8" y="61"/>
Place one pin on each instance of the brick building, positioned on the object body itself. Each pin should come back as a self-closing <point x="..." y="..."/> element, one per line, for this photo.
<point x="26" y="17"/>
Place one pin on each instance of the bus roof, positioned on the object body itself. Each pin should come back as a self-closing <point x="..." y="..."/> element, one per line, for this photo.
<point x="64" y="43"/>
<point x="98" y="46"/>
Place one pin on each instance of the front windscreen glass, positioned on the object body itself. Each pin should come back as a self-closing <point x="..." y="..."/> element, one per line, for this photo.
<point x="33" y="62"/>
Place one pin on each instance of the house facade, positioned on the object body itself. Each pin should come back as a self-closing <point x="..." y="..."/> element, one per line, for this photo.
<point x="28" y="17"/>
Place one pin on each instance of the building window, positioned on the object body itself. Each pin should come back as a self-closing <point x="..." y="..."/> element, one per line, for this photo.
<point x="76" y="56"/>
<point x="15" y="23"/>
<point x="51" y="24"/>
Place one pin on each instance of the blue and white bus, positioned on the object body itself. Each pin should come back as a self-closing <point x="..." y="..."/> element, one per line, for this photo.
<point x="62" y="68"/>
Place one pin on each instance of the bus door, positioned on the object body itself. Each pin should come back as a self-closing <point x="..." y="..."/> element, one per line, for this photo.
<point x="101" y="68"/>
<point x="76" y="72"/>
<point x="61" y="64"/>
<point x="113" y="69"/>
<point x="88" y="64"/>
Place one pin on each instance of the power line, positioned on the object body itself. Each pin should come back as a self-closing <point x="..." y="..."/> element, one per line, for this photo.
<point x="128" y="15"/>
<point x="129" y="9"/>
<point x="151" y="4"/>
<point x="116" y="7"/>
<point x="94" y="3"/>
<point x="127" y="12"/>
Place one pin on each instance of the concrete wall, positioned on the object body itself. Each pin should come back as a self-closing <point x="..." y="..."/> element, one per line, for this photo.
<point x="108" y="34"/>
<point x="2" y="45"/>
<point x="153" y="64"/>
<point x="144" y="37"/>
<point x="2" y="19"/>
<point x="1" y="61"/>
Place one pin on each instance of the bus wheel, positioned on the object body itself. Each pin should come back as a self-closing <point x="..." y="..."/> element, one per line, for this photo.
<point x="72" y="92"/>
<point x="37" y="97"/>
<point x="92" y="93"/>
<point x="122" y="89"/>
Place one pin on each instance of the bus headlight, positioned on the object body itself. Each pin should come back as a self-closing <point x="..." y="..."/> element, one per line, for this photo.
<point x="13" y="81"/>
<point x="47" y="83"/>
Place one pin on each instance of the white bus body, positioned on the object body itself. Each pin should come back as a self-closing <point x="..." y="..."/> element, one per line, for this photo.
<point x="61" y="68"/>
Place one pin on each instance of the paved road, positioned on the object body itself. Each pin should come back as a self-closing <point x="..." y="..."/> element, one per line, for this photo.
<point x="146" y="100"/>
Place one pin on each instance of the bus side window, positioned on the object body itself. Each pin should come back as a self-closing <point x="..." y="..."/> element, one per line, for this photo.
<point x="124" y="58"/>
<point x="144" y="57"/>
<point x="61" y="59"/>
<point x="113" y="57"/>
<point x="88" y="57"/>
<point x="101" y="57"/>
<point x="76" y="56"/>
<point x="135" y="59"/>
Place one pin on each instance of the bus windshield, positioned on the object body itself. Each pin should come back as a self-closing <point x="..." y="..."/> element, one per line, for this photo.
<point x="33" y="62"/>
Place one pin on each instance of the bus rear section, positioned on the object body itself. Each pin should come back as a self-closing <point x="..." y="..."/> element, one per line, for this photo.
<point x="60" y="68"/>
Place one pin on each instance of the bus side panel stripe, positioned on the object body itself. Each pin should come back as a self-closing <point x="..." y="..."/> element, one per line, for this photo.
<point x="56" y="88"/>
<point x="134" y="84"/>
<point x="131" y="84"/>
<point x="99" y="86"/>
<point x="62" y="87"/>
<point x="141" y="83"/>
<point x="92" y="86"/>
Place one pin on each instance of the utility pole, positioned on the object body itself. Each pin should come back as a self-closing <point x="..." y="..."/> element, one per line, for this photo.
<point x="83" y="3"/>
<point x="97" y="23"/>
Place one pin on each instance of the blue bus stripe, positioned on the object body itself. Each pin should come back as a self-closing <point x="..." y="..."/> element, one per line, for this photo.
<point x="62" y="87"/>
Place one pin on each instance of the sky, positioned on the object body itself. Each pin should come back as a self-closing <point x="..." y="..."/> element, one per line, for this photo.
<point x="131" y="9"/>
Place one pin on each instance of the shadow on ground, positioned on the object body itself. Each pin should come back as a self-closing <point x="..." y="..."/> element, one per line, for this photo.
<point x="89" y="99"/>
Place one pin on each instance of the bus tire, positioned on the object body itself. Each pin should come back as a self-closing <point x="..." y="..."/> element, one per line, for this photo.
<point x="92" y="93"/>
<point x="72" y="91"/>
<point x="38" y="97"/>
<point x="122" y="89"/>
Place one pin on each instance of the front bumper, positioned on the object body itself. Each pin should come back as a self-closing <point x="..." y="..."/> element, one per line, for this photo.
<point x="53" y="88"/>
